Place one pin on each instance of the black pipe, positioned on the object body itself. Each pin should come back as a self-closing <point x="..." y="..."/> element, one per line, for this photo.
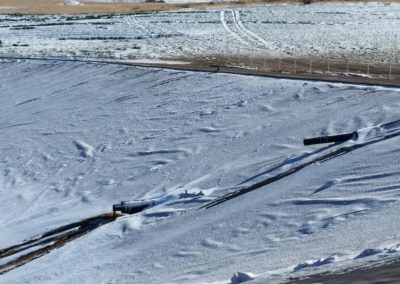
<point x="331" y="139"/>
<point x="132" y="207"/>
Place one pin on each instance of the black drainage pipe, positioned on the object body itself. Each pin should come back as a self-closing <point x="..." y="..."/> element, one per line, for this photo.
<point x="331" y="139"/>
<point x="132" y="207"/>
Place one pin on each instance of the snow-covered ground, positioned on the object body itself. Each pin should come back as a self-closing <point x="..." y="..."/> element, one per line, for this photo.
<point x="362" y="32"/>
<point x="78" y="137"/>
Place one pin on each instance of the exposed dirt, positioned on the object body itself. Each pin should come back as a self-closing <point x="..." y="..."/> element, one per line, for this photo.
<point x="60" y="6"/>
<point x="319" y="69"/>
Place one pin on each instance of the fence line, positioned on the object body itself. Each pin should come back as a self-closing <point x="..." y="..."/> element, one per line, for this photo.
<point x="262" y="59"/>
<point x="255" y="59"/>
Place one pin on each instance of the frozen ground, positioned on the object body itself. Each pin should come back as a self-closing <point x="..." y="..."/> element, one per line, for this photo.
<point x="77" y="137"/>
<point x="367" y="32"/>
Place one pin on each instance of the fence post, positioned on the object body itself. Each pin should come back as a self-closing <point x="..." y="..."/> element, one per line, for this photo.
<point x="390" y="69"/>
<point x="280" y="62"/>
<point x="213" y="44"/>
<point x="310" y="65"/>
<point x="347" y="68"/>
<point x="329" y="67"/>
<point x="239" y="56"/>
<point x="295" y="65"/>
<point x="227" y="48"/>
<point x="368" y="68"/>
<point x="265" y="63"/>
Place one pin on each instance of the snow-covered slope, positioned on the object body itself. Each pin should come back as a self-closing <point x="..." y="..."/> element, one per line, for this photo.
<point x="77" y="137"/>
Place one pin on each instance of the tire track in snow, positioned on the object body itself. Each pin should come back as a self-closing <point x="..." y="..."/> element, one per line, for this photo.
<point x="241" y="33"/>
<point x="230" y="31"/>
<point x="246" y="31"/>
<point x="132" y="22"/>
<point x="149" y="30"/>
<point x="163" y="30"/>
<point x="255" y="38"/>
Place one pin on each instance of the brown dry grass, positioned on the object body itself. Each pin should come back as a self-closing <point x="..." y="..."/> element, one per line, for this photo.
<point x="58" y="6"/>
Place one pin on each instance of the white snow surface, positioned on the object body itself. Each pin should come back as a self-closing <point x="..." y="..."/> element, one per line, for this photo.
<point x="72" y="2"/>
<point x="78" y="137"/>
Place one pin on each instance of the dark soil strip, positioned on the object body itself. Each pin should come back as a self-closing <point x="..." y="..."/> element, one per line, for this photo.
<point x="244" y="66"/>
<point x="51" y="240"/>
<point x="323" y="158"/>
<point x="218" y="66"/>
